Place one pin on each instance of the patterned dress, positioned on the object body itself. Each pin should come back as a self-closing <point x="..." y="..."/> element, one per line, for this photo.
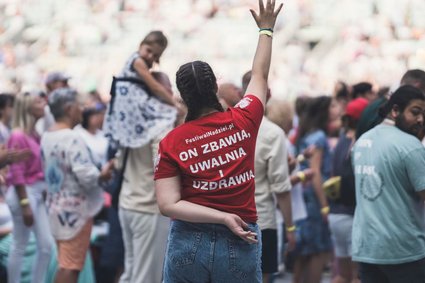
<point x="135" y="117"/>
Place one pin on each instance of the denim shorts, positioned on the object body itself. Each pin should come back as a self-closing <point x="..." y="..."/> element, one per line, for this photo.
<point x="210" y="253"/>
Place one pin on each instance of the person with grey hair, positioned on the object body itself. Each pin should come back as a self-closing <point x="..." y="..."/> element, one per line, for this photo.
<point x="54" y="80"/>
<point x="74" y="195"/>
<point x="60" y="99"/>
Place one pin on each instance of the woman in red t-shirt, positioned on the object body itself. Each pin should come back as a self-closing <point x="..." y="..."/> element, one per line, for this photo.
<point x="204" y="175"/>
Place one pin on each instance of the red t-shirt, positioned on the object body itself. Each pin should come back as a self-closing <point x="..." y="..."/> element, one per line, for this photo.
<point x="214" y="156"/>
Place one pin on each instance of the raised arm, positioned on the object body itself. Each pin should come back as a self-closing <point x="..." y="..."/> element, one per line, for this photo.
<point x="265" y="20"/>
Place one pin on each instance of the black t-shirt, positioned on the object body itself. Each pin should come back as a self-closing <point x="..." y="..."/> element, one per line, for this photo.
<point x="341" y="166"/>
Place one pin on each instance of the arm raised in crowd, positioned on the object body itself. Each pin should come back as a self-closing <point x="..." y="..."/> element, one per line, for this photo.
<point x="260" y="67"/>
<point x="168" y="190"/>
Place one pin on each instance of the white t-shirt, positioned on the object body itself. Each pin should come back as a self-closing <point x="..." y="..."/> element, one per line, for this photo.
<point x="74" y="195"/>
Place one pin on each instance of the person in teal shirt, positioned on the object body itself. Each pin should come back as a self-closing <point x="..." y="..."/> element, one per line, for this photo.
<point x="389" y="161"/>
<point x="370" y="116"/>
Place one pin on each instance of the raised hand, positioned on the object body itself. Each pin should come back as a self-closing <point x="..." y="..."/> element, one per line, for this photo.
<point x="267" y="15"/>
<point x="265" y="20"/>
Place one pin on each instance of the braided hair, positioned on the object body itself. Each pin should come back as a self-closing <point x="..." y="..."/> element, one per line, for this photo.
<point x="197" y="85"/>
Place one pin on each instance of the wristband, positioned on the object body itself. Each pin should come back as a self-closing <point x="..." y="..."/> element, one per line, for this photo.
<point x="325" y="210"/>
<point x="269" y="29"/>
<point x="267" y="32"/>
<point x="24" y="202"/>
<point x="291" y="228"/>
<point x="301" y="176"/>
<point x="300" y="158"/>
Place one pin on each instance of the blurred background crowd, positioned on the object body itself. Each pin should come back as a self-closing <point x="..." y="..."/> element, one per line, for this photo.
<point x="331" y="59"/>
<point x="317" y="42"/>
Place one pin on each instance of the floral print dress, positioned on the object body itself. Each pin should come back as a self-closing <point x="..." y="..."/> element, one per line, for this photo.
<point x="134" y="116"/>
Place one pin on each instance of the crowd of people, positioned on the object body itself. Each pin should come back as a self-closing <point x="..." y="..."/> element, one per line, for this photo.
<point x="318" y="40"/>
<point x="221" y="183"/>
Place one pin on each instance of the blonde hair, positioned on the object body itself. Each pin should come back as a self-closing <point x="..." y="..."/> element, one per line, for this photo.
<point x="280" y="112"/>
<point x="22" y="117"/>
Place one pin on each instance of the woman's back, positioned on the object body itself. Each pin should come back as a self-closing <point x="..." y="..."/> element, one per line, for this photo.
<point x="215" y="157"/>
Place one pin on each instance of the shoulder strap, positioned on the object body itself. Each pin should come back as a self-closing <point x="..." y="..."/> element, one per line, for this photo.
<point x="116" y="193"/>
<point x="136" y="81"/>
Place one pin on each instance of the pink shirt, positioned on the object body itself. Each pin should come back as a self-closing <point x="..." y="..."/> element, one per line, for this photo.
<point x="29" y="171"/>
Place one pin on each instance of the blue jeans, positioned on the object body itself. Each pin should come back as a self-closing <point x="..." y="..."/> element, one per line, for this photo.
<point x="210" y="253"/>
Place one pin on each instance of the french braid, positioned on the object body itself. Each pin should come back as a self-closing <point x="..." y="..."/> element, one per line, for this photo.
<point x="197" y="85"/>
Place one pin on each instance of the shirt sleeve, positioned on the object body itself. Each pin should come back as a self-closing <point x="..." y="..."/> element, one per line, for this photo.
<point x="250" y="111"/>
<point x="82" y="166"/>
<point x="165" y="165"/>
<point x="17" y="170"/>
<point x="318" y="139"/>
<point x="414" y="160"/>
<point x="277" y="170"/>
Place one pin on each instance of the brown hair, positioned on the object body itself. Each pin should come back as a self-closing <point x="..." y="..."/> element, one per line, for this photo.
<point x="197" y="85"/>
<point x="315" y="116"/>
<point x="155" y="37"/>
